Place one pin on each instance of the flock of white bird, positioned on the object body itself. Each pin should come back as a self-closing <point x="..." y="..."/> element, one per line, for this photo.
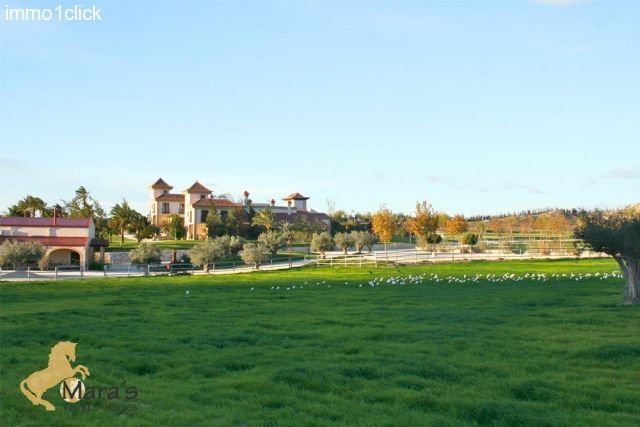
<point x="476" y="278"/>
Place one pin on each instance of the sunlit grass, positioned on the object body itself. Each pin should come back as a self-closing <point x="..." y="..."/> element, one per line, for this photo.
<point x="334" y="349"/>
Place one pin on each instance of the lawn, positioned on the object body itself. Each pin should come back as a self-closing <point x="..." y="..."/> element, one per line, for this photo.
<point x="324" y="347"/>
<point x="128" y="245"/>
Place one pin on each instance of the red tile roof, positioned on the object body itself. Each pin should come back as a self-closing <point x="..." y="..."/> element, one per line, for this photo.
<point x="197" y="188"/>
<point x="160" y="184"/>
<point x="20" y="221"/>
<point x="216" y="202"/>
<point x="170" y="198"/>
<point x="48" y="241"/>
<point x="295" y="196"/>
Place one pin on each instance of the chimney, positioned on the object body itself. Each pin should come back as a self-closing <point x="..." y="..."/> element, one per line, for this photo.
<point x="288" y="207"/>
<point x="273" y="202"/>
<point x="246" y="198"/>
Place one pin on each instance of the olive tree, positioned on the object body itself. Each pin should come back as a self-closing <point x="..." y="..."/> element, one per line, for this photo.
<point x="362" y="239"/>
<point x="210" y="251"/>
<point x="254" y="253"/>
<point x="616" y="234"/>
<point x="145" y="253"/>
<point x="20" y="254"/>
<point x="273" y="240"/>
<point x="234" y="244"/>
<point x="303" y="229"/>
<point x="322" y="242"/>
<point x="344" y="241"/>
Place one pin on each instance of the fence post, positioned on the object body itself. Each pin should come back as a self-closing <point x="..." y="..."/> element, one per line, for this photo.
<point x="345" y="260"/>
<point x="272" y="263"/>
<point x="28" y="274"/>
<point x="104" y="270"/>
<point x="81" y="272"/>
<point x="56" y="272"/>
<point x="129" y="271"/>
<point x="375" y="255"/>
<point x="331" y="262"/>
<point x="234" y="266"/>
<point x="290" y="263"/>
<point x="213" y="268"/>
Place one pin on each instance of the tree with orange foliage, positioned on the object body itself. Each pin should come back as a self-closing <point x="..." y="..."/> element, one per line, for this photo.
<point x="457" y="225"/>
<point x="384" y="225"/>
<point x="423" y="225"/>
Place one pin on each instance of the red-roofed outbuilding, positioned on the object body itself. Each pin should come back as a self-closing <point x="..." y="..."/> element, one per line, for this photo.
<point x="67" y="240"/>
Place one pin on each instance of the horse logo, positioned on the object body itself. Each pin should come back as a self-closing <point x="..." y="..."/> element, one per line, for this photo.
<point x="59" y="369"/>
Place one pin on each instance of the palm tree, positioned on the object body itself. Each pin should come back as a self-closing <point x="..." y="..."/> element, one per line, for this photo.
<point x="82" y="195"/>
<point x="140" y="226"/>
<point x="121" y="216"/>
<point x="265" y="218"/>
<point x="30" y="205"/>
<point x="83" y="205"/>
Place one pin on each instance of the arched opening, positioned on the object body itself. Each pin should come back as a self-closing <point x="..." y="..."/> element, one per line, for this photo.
<point x="64" y="257"/>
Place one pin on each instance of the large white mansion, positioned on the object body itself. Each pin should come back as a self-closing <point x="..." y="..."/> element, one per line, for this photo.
<point x="194" y="203"/>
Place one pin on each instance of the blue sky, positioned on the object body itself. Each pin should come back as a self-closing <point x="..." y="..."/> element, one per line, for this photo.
<point x="476" y="106"/>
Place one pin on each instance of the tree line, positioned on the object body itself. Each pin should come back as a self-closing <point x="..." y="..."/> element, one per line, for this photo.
<point x="616" y="233"/>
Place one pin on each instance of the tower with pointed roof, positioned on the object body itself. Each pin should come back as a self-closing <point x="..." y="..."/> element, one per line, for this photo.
<point x="163" y="203"/>
<point x="298" y="200"/>
<point x="195" y="219"/>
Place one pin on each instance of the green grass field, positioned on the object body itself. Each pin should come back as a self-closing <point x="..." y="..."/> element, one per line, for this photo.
<point x="237" y="351"/>
<point x="128" y="245"/>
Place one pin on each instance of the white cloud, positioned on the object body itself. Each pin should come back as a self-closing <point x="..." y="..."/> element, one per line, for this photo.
<point x="558" y="2"/>
<point x="449" y="183"/>
<point x="624" y="173"/>
<point x="518" y="186"/>
<point x="10" y="164"/>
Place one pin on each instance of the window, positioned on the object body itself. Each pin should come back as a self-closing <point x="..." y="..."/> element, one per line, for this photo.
<point x="202" y="196"/>
<point x="182" y="208"/>
<point x="165" y="191"/>
<point x="165" y="208"/>
<point x="203" y="216"/>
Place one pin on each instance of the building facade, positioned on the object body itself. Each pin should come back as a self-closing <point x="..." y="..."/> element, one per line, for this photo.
<point x="192" y="206"/>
